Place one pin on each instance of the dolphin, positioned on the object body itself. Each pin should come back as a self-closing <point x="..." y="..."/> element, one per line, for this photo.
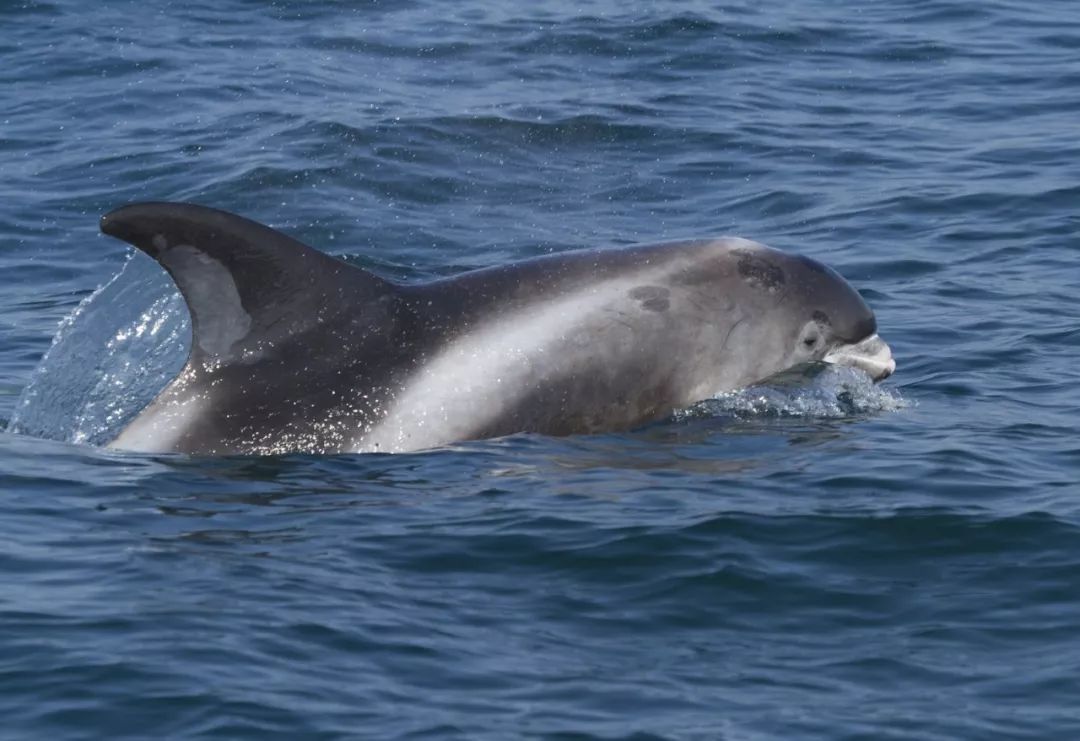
<point x="295" y="351"/>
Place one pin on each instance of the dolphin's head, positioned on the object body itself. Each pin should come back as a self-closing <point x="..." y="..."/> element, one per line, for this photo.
<point x="834" y="323"/>
<point x="808" y="313"/>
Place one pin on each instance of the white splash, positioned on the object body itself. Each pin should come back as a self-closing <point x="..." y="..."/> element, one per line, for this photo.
<point x="109" y="357"/>
<point x="829" y="392"/>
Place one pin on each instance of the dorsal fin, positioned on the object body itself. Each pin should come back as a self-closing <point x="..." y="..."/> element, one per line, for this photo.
<point x="244" y="283"/>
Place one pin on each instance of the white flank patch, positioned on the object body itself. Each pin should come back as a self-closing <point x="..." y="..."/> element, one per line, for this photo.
<point x="160" y="426"/>
<point x="476" y="378"/>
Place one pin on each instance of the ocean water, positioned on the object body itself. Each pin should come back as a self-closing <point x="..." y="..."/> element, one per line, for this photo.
<point x="821" y="558"/>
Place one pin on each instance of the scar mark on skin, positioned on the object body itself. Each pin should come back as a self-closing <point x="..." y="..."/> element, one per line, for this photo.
<point x="760" y="272"/>
<point x="723" y="345"/>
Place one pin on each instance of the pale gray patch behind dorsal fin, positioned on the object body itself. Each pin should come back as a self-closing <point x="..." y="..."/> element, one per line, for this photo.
<point x="246" y="285"/>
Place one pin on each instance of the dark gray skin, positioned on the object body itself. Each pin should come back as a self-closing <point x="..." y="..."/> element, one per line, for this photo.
<point x="296" y="351"/>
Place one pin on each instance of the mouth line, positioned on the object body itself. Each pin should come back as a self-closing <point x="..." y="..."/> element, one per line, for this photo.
<point x="871" y="355"/>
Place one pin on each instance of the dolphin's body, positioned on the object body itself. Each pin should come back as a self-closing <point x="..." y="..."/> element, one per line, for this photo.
<point x="293" y="350"/>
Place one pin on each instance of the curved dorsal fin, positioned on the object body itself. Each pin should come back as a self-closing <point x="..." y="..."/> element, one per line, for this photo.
<point x="244" y="283"/>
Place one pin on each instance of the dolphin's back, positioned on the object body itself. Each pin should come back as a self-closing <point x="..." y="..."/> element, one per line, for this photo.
<point x="244" y="283"/>
<point x="277" y="326"/>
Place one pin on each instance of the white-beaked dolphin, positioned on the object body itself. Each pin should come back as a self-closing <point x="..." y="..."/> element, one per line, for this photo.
<point x="293" y="350"/>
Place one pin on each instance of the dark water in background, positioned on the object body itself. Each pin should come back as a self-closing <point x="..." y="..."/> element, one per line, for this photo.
<point x="904" y="565"/>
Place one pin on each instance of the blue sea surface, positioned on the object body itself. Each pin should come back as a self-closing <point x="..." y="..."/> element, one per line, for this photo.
<point x="825" y="559"/>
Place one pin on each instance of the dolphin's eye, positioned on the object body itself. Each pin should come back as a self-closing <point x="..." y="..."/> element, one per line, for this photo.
<point x="810" y="341"/>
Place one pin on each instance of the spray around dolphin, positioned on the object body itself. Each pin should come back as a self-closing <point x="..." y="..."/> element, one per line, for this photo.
<point x="293" y="350"/>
